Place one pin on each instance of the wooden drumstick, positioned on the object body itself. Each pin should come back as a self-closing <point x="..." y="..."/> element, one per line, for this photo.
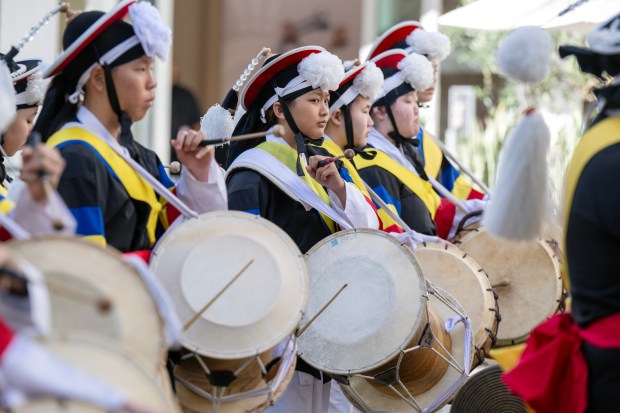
<point x="214" y="299"/>
<point x="277" y="130"/>
<point x="174" y="167"/>
<point x="314" y="317"/>
<point x="348" y="154"/>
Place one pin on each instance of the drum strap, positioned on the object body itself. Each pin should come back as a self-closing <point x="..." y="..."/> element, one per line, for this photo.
<point x="423" y="189"/>
<point x="266" y="164"/>
<point x="599" y="137"/>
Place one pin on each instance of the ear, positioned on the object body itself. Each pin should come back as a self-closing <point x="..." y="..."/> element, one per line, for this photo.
<point x="337" y="118"/>
<point x="277" y="110"/>
<point x="379" y="113"/>
<point x="97" y="78"/>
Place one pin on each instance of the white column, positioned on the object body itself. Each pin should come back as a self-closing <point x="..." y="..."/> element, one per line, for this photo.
<point x="429" y="12"/>
<point x="368" y="27"/>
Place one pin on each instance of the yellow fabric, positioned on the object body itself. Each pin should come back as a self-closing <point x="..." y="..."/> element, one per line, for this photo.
<point x="462" y="188"/>
<point x="5" y="205"/>
<point x="432" y="155"/>
<point x="134" y="184"/>
<point x="597" y="138"/>
<point x="335" y="150"/>
<point x="507" y="357"/>
<point x="95" y="239"/>
<point x="423" y="189"/>
<point x="288" y="156"/>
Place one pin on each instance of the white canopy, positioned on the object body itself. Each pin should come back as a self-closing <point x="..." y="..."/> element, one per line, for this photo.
<point x="495" y="15"/>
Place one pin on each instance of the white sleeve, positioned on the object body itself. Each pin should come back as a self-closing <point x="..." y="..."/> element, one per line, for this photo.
<point x="29" y="369"/>
<point x="37" y="218"/>
<point x="357" y="211"/>
<point x="203" y="196"/>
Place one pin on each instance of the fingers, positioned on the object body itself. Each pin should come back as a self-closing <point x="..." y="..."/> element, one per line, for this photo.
<point x="206" y="152"/>
<point x="42" y="160"/>
<point x="187" y="140"/>
<point x="324" y="173"/>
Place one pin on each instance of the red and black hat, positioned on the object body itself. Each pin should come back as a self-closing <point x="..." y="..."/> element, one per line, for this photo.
<point x="411" y="37"/>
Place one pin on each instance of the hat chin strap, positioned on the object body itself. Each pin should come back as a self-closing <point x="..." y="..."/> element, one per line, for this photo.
<point x="126" y="138"/>
<point x="299" y="137"/>
<point x="348" y="127"/>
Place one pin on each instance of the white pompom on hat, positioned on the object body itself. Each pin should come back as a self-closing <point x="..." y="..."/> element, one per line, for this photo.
<point x="434" y="45"/>
<point x="525" y="54"/>
<point x="7" y="98"/>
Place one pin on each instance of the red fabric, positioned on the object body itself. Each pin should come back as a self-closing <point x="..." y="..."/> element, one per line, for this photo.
<point x="6" y="336"/>
<point x="444" y="217"/>
<point x="473" y="194"/>
<point x="552" y="374"/>
<point x="144" y="255"/>
<point x="5" y="235"/>
<point x="171" y="212"/>
<point x="374" y="208"/>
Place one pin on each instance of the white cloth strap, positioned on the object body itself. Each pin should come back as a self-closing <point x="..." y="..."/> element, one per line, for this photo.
<point x="109" y="57"/>
<point x="293" y="86"/>
<point x="380" y="142"/>
<point x="16" y="230"/>
<point x="390" y="84"/>
<point x="347" y="97"/>
<point x="280" y="175"/>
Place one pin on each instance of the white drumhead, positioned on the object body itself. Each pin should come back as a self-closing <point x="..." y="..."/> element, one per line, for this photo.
<point x="526" y="277"/>
<point x="78" y="275"/>
<point x="196" y="259"/>
<point x="110" y="363"/>
<point x="379" y="311"/>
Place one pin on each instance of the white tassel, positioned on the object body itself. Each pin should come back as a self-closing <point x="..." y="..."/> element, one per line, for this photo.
<point x="369" y="82"/>
<point x="322" y="70"/>
<point x="518" y="205"/>
<point x="7" y="98"/>
<point x="525" y="54"/>
<point x="217" y="123"/>
<point x="435" y="45"/>
<point x="154" y="35"/>
<point x="417" y="71"/>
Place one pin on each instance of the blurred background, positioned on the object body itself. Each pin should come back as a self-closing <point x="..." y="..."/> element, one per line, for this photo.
<point x="214" y="40"/>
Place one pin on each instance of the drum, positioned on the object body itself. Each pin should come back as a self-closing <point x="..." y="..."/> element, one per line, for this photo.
<point x="92" y="289"/>
<point x="526" y="277"/>
<point x="240" y="285"/>
<point x="107" y="361"/>
<point x="456" y="272"/>
<point x="383" y="337"/>
<point x="485" y="392"/>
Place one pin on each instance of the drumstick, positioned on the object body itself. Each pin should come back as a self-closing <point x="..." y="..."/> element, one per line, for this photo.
<point x="207" y="305"/>
<point x="174" y="167"/>
<point x="277" y="130"/>
<point x="301" y="330"/>
<point x="57" y="222"/>
<point x="349" y="154"/>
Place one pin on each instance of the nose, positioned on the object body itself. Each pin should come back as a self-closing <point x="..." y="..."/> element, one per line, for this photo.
<point x="370" y="122"/>
<point x="152" y="82"/>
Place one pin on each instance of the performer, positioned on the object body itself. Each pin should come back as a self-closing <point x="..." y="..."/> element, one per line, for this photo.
<point x="410" y="36"/>
<point x="21" y="90"/>
<point x="102" y="83"/>
<point x="272" y="179"/>
<point x="572" y="362"/>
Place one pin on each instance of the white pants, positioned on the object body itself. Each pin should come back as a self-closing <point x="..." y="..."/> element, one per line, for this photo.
<point x="338" y="402"/>
<point x="304" y="394"/>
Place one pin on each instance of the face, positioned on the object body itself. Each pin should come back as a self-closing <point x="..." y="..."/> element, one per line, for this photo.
<point x="311" y="113"/>
<point x="135" y="86"/>
<point x="15" y="137"/>
<point x="360" y="120"/>
<point x="405" y="110"/>
<point x="427" y="95"/>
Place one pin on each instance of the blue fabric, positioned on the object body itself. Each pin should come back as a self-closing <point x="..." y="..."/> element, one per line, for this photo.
<point x="89" y="220"/>
<point x="387" y="197"/>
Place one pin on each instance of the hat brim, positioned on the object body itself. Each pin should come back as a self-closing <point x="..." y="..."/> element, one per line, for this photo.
<point x="389" y="58"/>
<point x="119" y="12"/>
<point x="269" y="70"/>
<point x="393" y="35"/>
<point x="26" y="68"/>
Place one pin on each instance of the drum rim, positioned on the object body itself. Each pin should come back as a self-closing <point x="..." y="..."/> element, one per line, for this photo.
<point x="413" y="260"/>
<point x="219" y="217"/>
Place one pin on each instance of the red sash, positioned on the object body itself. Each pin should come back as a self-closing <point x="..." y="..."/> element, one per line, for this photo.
<point x="6" y="336"/>
<point x="552" y="375"/>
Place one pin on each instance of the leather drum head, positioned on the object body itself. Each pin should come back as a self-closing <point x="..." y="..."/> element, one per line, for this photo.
<point x="380" y="310"/>
<point x="111" y="364"/>
<point x="92" y="289"/>
<point x="197" y="258"/>
<point x="454" y="271"/>
<point x="526" y="277"/>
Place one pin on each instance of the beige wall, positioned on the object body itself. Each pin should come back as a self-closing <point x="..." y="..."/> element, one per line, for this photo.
<point x="214" y="40"/>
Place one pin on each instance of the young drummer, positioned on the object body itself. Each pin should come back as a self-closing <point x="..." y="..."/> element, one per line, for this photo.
<point x="272" y="180"/>
<point x="102" y="83"/>
<point x="411" y="37"/>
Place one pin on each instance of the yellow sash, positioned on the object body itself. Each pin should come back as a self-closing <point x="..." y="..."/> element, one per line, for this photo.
<point x="134" y="184"/>
<point x="432" y="155"/>
<point x="288" y="157"/>
<point x="423" y="189"/>
<point x="599" y="137"/>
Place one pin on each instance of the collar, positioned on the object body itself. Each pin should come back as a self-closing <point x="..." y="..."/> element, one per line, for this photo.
<point x="380" y="142"/>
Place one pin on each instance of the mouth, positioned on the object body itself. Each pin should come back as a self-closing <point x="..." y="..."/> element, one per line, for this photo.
<point x="322" y="124"/>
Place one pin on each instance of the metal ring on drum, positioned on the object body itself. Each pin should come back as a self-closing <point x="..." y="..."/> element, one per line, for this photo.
<point x="111" y="363"/>
<point x="525" y="275"/>
<point x="384" y="338"/>
<point x="240" y="285"/>
<point x="454" y="271"/>
<point x="94" y="290"/>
